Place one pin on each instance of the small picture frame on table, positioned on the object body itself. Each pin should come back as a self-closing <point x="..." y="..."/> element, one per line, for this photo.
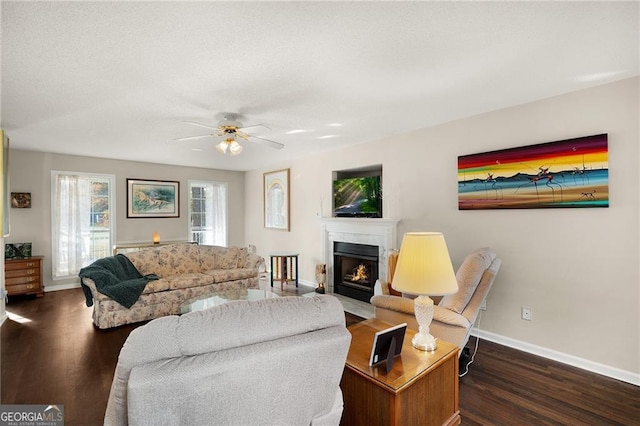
<point x="387" y="344"/>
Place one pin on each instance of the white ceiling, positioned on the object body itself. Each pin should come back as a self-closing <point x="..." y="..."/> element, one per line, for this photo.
<point x="117" y="79"/>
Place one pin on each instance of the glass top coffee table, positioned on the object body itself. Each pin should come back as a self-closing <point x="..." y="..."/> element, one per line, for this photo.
<point x="209" y="300"/>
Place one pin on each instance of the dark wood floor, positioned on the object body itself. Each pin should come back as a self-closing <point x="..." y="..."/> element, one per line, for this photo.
<point x="52" y="354"/>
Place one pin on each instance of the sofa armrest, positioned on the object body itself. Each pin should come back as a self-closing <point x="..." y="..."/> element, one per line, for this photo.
<point x="253" y="261"/>
<point x="89" y="289"/>
<point x="393" y="303"/>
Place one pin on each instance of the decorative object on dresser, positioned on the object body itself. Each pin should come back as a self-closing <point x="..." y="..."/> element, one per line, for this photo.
<point x="424" y="268"/>
<point x="420" y="389"/>
<point x="17" y="250"/>
<point x="23" y="276"/>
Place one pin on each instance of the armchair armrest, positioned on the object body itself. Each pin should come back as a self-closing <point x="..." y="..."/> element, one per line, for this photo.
<point x="450" y="317"/>
<point x="393" y="303"/>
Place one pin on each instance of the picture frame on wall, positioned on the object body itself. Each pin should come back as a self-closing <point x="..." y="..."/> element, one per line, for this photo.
<point x="152" y="198"/>
<point x="21" y="200"/>
<point x="276" y="200"/>
<point x="571" y="173"/>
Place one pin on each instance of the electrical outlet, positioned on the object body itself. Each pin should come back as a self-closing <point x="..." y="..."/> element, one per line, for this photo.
<point x="527" y="313"/>
<point x="483" y="307"/>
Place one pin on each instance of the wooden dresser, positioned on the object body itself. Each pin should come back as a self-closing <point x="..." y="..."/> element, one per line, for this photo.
<point x="23" y="276"/>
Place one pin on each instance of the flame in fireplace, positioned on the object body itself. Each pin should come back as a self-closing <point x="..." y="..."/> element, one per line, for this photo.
<point x="359" y="274"/>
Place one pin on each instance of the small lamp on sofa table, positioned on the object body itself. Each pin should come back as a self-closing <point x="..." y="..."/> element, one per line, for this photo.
<point x="424" y="268"/>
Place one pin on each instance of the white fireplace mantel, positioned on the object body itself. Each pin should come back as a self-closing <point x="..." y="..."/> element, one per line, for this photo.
<point x="371" y="231"/>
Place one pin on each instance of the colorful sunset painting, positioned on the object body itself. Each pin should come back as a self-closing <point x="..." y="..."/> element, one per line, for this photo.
<point x="568" y="173"/>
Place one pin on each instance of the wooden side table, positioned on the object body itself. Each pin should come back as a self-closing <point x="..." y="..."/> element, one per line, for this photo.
<point x="421" y="388"/>
<point x="284" y="268"/>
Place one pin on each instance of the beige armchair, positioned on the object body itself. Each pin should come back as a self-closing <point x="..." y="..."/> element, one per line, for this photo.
<point x="267" y="362"/>
<point x="453" y="315"/>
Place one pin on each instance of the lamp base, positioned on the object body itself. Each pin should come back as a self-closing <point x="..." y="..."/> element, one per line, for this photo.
<point x="423" y="309"/>
<point x="424" y="342"/>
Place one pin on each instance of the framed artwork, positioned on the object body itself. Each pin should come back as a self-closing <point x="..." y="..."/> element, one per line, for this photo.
<point x="152" y="198"/>
<point x="276" y="200"/>
<point x="567" y="173"/>
<point x="21" y="200"/>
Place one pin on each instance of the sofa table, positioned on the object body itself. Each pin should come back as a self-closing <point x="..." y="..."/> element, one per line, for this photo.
<point x="421" y="388"/>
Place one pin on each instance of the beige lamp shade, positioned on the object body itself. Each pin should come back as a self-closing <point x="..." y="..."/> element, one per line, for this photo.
<point x="424" y="266"/>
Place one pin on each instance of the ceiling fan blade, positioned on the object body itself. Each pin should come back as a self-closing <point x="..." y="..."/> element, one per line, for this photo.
<point x="256" y="125"/>
<point x="268" y="142"/>
<point x="193" y="137"/>
<point x="201" y="125"/>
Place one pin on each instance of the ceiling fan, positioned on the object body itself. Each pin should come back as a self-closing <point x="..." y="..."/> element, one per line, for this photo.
<point x="230" y="129"/>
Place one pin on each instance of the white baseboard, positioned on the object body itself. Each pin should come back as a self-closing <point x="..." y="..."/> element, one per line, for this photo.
<point x="594" y="367"/>
<point x="47" y="289"/>
<point x="2" y="320"/>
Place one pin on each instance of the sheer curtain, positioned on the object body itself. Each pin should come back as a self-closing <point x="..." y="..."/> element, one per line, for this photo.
<point x="218" y="212"/>
<point x="71" y="224"/>
<point x="208" y="212"/>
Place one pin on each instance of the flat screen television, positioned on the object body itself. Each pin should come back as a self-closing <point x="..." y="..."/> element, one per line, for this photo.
<point x="357" y="196"/>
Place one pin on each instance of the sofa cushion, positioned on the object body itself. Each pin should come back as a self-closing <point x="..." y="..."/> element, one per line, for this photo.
<point x="188" y="280"/>
<point x="145" y="261"/>
<point x="208" y="256"/>
<point x="178" y="259"/>
<point x="222" y="275"/>
<point x="228" y="259"/>
<point x="468" y="276"/>
<point x="156" y="286"/>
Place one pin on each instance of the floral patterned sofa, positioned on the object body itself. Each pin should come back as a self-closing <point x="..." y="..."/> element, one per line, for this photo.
<point x="186" y="271"/>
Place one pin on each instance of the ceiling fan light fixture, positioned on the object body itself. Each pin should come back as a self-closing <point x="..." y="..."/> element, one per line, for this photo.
<point x="235" y="148"/>
<point x="222" y="147"/>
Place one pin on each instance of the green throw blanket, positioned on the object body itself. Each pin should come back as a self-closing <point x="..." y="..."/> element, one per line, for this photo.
<point x="116" y="277"/>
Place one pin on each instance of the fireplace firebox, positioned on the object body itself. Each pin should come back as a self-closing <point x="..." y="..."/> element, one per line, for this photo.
<point x="355" y="269"/>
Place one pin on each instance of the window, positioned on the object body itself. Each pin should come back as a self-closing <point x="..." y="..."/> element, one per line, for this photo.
<point x="82" y="231"/>
<point x="208" y="212"/>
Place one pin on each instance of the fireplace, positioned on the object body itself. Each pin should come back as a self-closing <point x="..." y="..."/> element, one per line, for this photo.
<point x="355" y="269"/>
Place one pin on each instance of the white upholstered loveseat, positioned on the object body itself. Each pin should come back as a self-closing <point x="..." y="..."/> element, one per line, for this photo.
<point x="266" y="362"/>
<point x="185" y="271"/>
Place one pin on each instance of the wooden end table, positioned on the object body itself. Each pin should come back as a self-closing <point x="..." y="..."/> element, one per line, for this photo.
<point x="421" y="388"/>
<point x="284" y="268"/>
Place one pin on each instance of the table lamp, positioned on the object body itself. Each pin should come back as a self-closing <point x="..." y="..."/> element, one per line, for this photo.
<point x="424" y="268"/>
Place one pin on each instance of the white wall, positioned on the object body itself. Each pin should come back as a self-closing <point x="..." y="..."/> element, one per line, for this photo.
<point x="31" y="172"/>
<point x="577" y="268"/>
